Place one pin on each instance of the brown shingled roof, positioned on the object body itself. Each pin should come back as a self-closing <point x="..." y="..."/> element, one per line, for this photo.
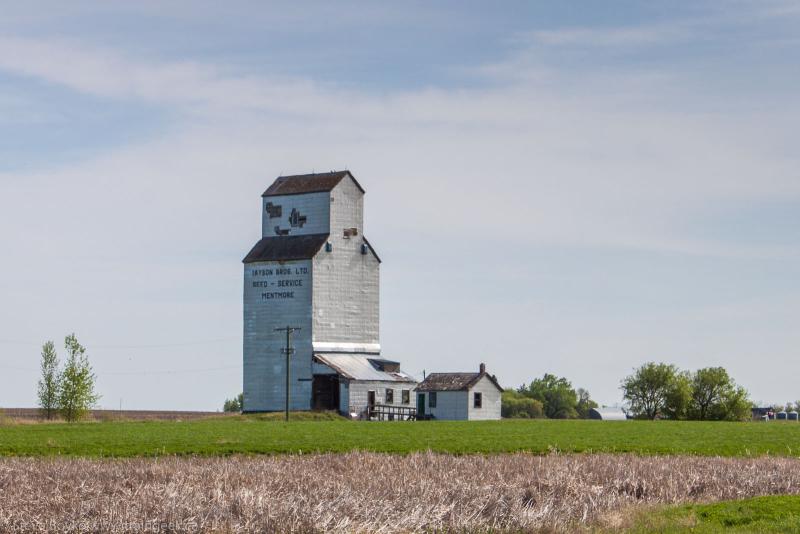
<point x="286" y="248"/>
<point x="308" y="183"/>
<point x="453" y="381"/>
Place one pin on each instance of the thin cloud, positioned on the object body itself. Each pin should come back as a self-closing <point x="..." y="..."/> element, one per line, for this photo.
<point x="635" y="36"/>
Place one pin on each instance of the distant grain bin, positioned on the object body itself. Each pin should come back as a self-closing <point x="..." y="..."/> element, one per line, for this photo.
<point x="607" y="414"/>
<point x="314" y="269"/>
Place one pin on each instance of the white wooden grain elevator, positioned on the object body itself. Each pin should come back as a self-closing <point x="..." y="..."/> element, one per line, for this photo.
<point x="314" y="269"/>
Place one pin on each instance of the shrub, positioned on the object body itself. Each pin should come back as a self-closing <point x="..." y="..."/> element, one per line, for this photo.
<point x="516" y="405"/>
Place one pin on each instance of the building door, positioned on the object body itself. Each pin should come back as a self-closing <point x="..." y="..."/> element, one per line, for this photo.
<point x="420" y="404"/>
<point x="370" y="404"/>
<point x="325" y="392"/>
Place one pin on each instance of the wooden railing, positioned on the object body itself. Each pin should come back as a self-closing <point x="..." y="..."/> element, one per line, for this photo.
<point x="385" y="412"/>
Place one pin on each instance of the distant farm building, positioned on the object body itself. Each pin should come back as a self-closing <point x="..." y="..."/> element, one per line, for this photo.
<point x="314" y="269"/>
<point x="607" y="414"/>
<point x="763" y="413"/>
<point x="459" y="396"/>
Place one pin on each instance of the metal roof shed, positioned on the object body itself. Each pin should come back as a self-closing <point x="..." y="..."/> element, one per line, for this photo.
<point x="607" y="414"/>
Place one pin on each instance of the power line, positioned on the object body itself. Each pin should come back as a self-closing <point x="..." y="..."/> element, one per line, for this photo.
<point x="167" y="345"/>
<point x="115" y="347"/>
<point x="172" y="372"/>
<point x="19" y="368"/>
<point x="132" y="373"/>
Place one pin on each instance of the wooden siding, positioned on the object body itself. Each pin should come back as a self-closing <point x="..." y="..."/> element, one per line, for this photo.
<point x="354" y="393"/>
<point x="450" y="405"/>
<point x="315" y="207"/>
<point x="491" y="401"/>
<point x="264" y="373"/>
<point x="346" y="282"/>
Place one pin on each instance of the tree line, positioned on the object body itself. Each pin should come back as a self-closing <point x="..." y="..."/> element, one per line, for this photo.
<point x="68" y="391"/>
<point x="662" y="391"/>
<point x="652" y="391"/>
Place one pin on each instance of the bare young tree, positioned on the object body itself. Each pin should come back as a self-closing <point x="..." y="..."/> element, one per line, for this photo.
<point x="50" y="383"/>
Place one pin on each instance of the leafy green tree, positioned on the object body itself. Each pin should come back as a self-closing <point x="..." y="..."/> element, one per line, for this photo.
<point x="517" y="405"/>
<point x="735" y="405"/>
<point x="709" y="388"/>
<point x="234" y="405"/>
<point x="76" y="395"/>
<point x="556" y="395"/>
<point x="50" y="382"/>
<point x="679" y="396"/>
<point x="585" y="403"/>
<point x="656" y="389"/>
<point x="716" y="396"/>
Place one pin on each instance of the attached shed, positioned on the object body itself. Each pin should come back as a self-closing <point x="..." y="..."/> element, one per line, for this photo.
<point x="354" y="383"/>
<point x="459" y="396"/>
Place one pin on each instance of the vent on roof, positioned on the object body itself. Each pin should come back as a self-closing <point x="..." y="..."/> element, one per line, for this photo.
<point x="385" y="365"/>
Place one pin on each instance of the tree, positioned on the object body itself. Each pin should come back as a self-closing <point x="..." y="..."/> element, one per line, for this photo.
<point x="679" y="396"/>
<point x="585" y="403"/>
<point x="235" y="404"/>
<point x="716" y="396"/>
<point x="556" y="395"/>
<point x="656" y="390"/>
<point x="50" y="384"/>
<point x="709" y="388"/>
<point x="735" y="405"/>
<point x="517" y="405"/>
<point x="76" y="395"/>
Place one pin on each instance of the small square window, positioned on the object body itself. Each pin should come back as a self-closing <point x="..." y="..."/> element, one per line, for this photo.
<point x="406" y="396"/>
<point x="350" y="232"/>
<point x="478" y="400"/>
<point x="432" y="399"/>
<point x="389" y="396"/>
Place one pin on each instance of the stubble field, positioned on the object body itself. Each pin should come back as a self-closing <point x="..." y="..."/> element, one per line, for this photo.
<point x="370" y="492"/>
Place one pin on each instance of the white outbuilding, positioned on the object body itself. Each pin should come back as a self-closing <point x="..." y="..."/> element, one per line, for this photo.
<point x="608" y="414"/>
<point x="459" y="396"/>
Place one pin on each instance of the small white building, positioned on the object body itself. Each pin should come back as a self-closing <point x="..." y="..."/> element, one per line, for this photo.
<point x="459" y="396"/>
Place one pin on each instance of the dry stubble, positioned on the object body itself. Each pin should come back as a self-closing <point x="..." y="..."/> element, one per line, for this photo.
<point x="367" y="492"/>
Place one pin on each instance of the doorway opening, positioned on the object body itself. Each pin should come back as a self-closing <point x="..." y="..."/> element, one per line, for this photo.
<point x="325" y="392"/>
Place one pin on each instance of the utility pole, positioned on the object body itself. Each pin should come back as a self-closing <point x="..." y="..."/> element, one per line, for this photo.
<point x="288" y="351"/>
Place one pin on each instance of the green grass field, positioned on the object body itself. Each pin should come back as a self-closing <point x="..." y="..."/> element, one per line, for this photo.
<point x="774" y="514"/>
<point x="259" y="435"/>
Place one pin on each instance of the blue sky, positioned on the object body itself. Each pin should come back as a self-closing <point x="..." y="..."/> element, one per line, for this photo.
<point x="567" y="187"/>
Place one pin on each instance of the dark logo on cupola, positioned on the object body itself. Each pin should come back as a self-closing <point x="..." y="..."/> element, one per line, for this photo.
<point x="297" y="220"/>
